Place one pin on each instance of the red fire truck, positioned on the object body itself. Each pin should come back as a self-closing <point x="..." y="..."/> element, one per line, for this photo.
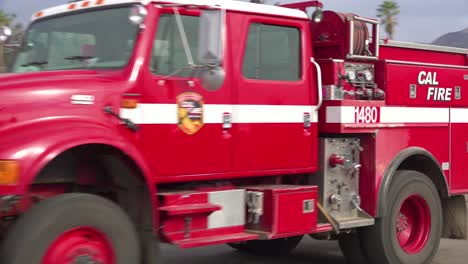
<point x="124" y="124"/>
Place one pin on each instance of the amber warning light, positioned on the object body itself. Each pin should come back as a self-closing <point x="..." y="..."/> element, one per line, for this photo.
<point x="129" y="103"/>
<point x="9" y="172"/>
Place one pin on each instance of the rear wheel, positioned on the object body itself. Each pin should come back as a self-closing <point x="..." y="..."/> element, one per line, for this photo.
<point x="272" y="247"/>
<point x="410" y="232"/>
<point x="71" y="229"/>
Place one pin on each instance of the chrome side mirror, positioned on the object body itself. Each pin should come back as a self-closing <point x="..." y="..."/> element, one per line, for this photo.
<point x="212" y="78"/>
<point x="317" y="15"/>
<point x="137" y="15"/>
<point x="5" y="33"/>
<point x="210" y="48"/>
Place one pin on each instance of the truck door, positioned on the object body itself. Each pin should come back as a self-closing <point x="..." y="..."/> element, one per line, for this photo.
<point x="275" y="93"/>
<point x="184" y="133"/>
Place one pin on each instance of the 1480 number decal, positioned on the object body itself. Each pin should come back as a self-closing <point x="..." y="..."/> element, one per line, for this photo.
<point x="366" y="114"/>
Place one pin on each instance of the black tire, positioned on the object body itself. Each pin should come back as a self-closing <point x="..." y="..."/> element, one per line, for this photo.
<point x="274" y="247"/>
<point x="380" y="242"/>
<point x="350" y="245"/>
<point x="30" y="237"/>
<point x="237" y="246"/>
<point x="150" y="247"/>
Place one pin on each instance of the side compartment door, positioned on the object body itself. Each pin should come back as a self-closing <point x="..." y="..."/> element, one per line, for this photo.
<point x="458" y="150"/>
<point x="275" y="95"/>
<point x="456" y="80"/>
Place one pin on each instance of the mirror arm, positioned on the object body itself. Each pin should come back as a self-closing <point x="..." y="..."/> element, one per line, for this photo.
<point x="183" y="36"/>
<point x="194" y="69"/>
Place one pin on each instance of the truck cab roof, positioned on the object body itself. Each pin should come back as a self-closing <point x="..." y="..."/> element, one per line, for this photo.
<point x="225" y="4"/>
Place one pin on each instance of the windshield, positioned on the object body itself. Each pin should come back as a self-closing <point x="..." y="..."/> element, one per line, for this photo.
<point x="101" y="39"/>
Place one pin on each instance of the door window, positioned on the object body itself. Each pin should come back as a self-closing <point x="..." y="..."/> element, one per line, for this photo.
<point x="272" y="53"/>
<point x="168" y="55"/>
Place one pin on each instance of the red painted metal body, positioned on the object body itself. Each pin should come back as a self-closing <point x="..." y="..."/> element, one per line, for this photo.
<point x="155" y="144"/>
<point x="422" y="56"/>
<point x="38" y="123"/>
<point x="383" y="143"/>
<point x="287" y="200"/>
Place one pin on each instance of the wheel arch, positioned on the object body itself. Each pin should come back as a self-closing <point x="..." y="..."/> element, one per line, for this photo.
<point x="113" y="158"/>
<point x="417" y="159"/>
<point x="133" y="189"/>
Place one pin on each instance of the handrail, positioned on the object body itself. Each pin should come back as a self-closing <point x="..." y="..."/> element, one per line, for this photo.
<point x="319" y="83"/>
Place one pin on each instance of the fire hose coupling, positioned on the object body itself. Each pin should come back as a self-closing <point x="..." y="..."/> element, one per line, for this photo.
<point x="9" y="172"/>
<point x="336" y="160"/>
<point x="336" y="199"/>
<point x="347" y="164"/>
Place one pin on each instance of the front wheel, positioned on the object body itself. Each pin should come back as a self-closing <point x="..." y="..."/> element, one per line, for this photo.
<point x="411" y="230"/>
<point x="72" y="228"/>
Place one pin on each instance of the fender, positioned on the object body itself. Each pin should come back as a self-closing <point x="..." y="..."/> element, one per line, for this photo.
<point x="395" y="164"/>
<point x="36" y="144"/>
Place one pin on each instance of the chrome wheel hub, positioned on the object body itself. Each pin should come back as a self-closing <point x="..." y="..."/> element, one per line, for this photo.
<point x="401" y="223"/>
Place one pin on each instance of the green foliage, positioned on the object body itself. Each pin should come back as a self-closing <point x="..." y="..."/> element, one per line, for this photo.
<point x="387" y="12"/>
<point x="5" y="18"/>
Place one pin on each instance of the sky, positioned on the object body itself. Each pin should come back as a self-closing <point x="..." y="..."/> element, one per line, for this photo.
<point x="419" y="20"/>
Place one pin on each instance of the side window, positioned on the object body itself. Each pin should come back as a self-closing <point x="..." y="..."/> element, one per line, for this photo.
<point x="272" y="53"/>
<point x="168" y="51"/>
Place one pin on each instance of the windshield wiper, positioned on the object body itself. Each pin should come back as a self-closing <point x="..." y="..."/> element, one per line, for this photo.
<point x="34" y="63"/>
<point x="79" y="58"/>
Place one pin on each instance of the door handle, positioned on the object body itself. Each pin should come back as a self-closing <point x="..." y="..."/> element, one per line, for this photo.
<point x="307" y="121"/>
<point x="307" y="124"/>
<point x="227" y="121"/>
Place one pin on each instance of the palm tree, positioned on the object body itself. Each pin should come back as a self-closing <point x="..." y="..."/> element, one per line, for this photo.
<point x="5" y="20"/>
<point x="387" y="12"/>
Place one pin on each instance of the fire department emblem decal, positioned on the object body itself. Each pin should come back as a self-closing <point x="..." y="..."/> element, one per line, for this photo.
<point x="190" y="112"/>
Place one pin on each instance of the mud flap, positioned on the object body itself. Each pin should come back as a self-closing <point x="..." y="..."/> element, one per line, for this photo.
<point x="150" y="246"/>
<point x="455" y="213"/>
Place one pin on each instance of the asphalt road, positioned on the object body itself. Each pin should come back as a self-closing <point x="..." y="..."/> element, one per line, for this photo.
<point x="309" y="252"/>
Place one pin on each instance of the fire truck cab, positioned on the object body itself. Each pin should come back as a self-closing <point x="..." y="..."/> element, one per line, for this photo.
<point x="129" y="123"/>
